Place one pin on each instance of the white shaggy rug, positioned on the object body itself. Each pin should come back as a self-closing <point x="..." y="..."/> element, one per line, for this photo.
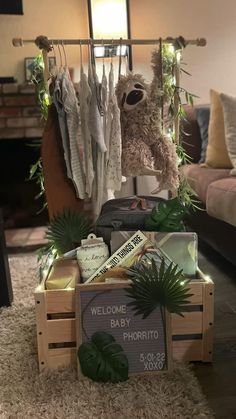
<point x="24" y="393"/>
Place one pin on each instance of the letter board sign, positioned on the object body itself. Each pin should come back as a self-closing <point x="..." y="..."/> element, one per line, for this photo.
<point x="146" y="342"/>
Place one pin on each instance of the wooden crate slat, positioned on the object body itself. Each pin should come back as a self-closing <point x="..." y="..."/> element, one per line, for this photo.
<point x="196" y="290"/>
<point x="188" y="350"/>
<point x="60" y="301"/>
<point x="63" y="301"/>
<point x="190" y="324"/>
<point x="63" y="357"/>
<point x="61" y="330"/>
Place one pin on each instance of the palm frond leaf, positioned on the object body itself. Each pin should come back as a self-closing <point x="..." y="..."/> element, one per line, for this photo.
<point x="153" y="287"/>
<point x="66" y="230"/>
<point x="167" y="216"/>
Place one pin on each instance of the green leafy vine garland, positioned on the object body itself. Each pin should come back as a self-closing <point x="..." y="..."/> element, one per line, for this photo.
<point x="37" y="78"/>
<point x="173" y="96"/>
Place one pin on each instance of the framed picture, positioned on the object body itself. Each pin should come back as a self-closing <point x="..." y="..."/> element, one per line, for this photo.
<point x="30" y="66"/>
<point x="13" y="7"/>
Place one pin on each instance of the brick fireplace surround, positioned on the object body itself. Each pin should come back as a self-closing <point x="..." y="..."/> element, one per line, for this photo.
<point x="20" y="125"/>
<point x="19" y="112"/>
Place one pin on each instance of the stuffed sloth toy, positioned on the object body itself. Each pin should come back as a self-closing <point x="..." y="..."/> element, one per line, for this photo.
<point x="145" y="150"/>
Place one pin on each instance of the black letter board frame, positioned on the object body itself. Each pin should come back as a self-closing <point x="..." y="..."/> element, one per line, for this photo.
<point x="142" y="347"/>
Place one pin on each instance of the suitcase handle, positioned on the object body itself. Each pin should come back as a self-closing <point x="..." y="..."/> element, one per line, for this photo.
<point x="139" y="201"/>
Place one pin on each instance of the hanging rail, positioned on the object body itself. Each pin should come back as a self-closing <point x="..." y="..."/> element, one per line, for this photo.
<point x="19" y="42"/>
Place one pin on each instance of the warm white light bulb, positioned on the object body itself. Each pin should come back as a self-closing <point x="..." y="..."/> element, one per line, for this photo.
<point x="46" y="98"/>
<point x="171" y="49"/>
<point x="179" y="161"/>
<point x="50" y="260"/>
<point x="178" y="56"/>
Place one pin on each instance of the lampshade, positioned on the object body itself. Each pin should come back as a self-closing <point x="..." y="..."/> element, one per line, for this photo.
<point x="108" y="19"/>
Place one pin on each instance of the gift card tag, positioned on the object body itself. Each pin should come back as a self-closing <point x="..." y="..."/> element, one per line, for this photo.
<point x="91" y="239"/>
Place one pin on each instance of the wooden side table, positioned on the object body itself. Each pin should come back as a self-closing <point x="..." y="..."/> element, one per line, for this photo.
<point x="6" y="294"/>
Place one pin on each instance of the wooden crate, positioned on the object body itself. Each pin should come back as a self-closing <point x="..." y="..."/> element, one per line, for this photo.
<point x="192" y="335"/>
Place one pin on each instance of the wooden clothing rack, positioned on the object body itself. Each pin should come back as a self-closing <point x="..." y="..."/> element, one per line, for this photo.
<point x="46" y="45"/>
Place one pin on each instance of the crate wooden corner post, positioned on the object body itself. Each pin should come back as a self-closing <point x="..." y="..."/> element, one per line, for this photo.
<point x="169" y="342"/>
<point x="208" y="320"/>
<point x="55" y="318"/>
<point x="41" y="327"/>
<point x="193" y="333"/>
<point x="78" y="325"/>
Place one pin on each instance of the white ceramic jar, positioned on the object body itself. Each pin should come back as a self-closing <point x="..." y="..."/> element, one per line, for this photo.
<point x="91" y="255"/>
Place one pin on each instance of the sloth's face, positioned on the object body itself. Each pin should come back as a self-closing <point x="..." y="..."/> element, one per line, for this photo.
<point x="133" y="95"/>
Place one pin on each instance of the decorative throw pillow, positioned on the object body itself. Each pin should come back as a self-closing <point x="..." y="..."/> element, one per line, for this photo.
<point x="229" y="111"/>
<point x="202" y="116"/>
<point x="217" y="154"/>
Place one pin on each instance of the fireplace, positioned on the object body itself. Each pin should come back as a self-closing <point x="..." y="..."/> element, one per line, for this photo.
<point x="20" y="127"/>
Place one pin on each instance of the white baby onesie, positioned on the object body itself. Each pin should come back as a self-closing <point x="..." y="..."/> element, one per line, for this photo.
<point x="113" y="139"/>
<point x="85" y="97"/>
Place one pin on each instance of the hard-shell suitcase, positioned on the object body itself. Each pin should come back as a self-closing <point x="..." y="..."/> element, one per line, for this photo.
<point x="126" y="214"/>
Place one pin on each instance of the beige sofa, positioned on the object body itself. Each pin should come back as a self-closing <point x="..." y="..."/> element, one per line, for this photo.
<point x="216" y="191"/>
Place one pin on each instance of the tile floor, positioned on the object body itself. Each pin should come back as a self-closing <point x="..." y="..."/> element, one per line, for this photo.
<point x="25" y="238"/>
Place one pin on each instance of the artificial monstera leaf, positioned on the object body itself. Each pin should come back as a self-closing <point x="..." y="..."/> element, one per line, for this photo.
<point x="66" y="230"/>
<point x="168" y="216"/>
<point x="152" y="287"/>
<point x="103" y="360"/>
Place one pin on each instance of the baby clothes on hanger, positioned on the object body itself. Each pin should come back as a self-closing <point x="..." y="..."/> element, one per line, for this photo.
<point x="104" y="100"/>
<point x="65" y="100"/>
<point x="72" y="118"/>
<point x="59" y="190"/>
<point x="85" y="98"/>
<point x="102" y="161"/>
<point x="58" y="102"/>
<point x="95" y="121"/>
<point x="113" y="139"/>
<point x="98" y="141"/>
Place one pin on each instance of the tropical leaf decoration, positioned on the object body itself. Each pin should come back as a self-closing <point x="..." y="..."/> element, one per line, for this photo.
<point x="152" y="287"/>
<point x="187" y="195"/>
<point x="167" y="216"/>
<point x="46" y="255"/>
<point x="103" y="360"/>
<point x="66" y="230"/>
